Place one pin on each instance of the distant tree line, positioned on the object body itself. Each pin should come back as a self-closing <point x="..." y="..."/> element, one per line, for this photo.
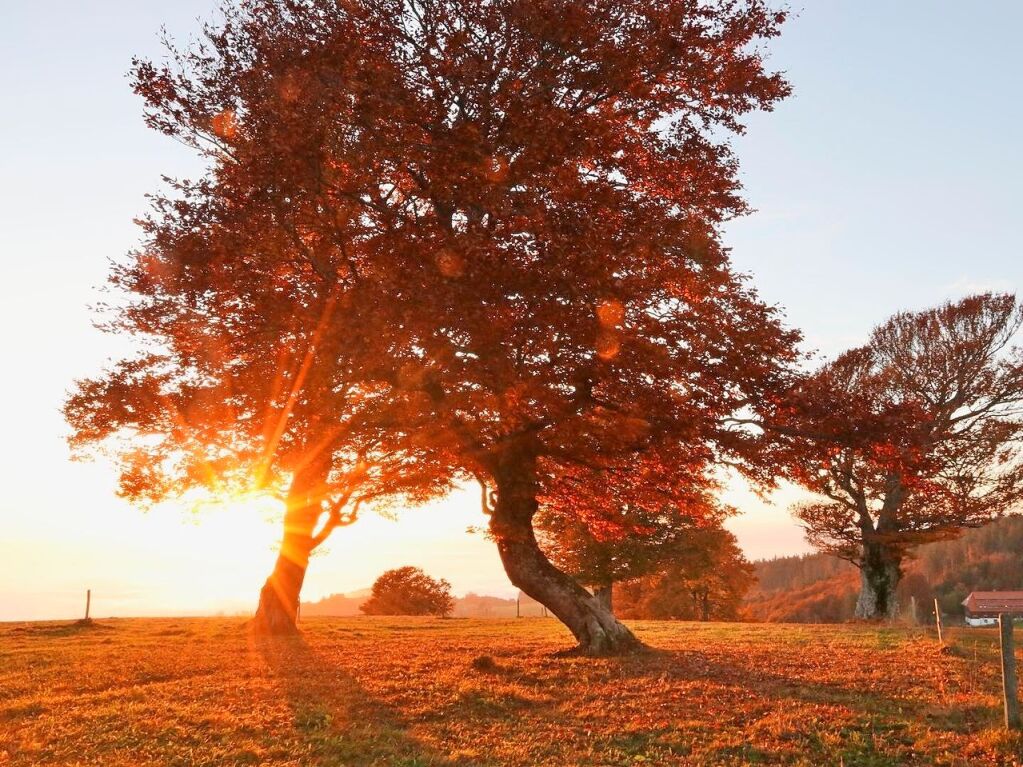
<point x="820" y="588"/>
<point x="469" y="606"/>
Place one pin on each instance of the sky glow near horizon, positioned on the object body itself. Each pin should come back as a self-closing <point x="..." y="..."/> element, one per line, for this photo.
<point x="892" y="179"/>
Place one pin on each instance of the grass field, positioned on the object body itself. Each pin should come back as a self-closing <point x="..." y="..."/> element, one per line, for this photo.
<point x="411" y="692"/>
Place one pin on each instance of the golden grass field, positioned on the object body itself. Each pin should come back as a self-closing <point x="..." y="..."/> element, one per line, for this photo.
<point x="415" y="692"/>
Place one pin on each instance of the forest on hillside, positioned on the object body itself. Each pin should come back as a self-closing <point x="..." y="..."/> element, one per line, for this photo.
<point x="820" y="588"/>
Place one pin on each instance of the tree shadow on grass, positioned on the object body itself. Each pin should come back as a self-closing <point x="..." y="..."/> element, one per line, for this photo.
<point x="336" y="721"/>
<point x="689" y="665"/>
<point x="755" y="715"/>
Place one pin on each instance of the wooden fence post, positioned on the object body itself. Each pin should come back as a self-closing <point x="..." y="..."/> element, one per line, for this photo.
<point x="1009" y="688"/>
<point x="88" y="602"/>
<point x="518" y="605"/>
<point x="937" y="620"/>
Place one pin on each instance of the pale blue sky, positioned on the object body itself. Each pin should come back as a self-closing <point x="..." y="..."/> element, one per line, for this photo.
<point x="891" y="179"/>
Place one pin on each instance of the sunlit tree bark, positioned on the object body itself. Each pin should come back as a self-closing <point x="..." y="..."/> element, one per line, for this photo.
<point x="589" y="618"/>
<point x="279" y="598"/>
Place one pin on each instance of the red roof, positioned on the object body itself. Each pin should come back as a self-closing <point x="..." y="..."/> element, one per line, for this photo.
<point x="994" y="602"/>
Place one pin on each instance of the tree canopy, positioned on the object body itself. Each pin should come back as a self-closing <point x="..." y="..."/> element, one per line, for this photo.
<point x="912" y="437"/>
<point x="705" y="579"/>
<point x="459" y="240"/>
<point x="617" y="525"/>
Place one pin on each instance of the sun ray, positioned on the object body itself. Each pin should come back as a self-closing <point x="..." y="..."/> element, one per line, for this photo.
<point x="296" y="388"/>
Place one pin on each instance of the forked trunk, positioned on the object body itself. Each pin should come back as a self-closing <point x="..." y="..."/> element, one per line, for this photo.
<point x="880" y="573"/>
<point x="590" y="621"/>
<point x="279" y="599"/>
<point x="603" y="595"/>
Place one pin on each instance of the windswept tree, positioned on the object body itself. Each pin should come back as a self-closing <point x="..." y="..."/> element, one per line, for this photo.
<point x="911" y="438"/>
<point x="516" y="207"/>
<point x="409" y="591"/>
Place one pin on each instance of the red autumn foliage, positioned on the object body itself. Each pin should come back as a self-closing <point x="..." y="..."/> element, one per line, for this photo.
<point x="646" y="516"/>
<point x="448" y="240"/>
<point x="910" y="438"/>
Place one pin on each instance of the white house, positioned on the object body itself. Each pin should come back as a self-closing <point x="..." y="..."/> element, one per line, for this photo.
<point x="982" y="607"/>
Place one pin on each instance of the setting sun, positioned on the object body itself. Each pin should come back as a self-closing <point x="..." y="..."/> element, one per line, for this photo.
<point x="239" y="519"/>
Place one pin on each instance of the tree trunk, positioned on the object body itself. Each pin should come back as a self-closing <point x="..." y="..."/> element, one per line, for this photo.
<point x="880" y="573"/>
<point x="590" y="621"/>
<point x="603" y="595"/>
<point x="280" y="595"/>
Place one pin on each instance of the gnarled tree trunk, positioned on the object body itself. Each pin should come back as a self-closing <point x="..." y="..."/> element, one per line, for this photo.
<point x="279" y="598"/>
<point x="880" y="573"/>
<point x="590" y="621"/>
<point x="603" y="595"/>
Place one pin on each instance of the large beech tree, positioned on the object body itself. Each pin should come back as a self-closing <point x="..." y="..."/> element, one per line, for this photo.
<point x="911" y="438"/>
<point x="515" y="203"/>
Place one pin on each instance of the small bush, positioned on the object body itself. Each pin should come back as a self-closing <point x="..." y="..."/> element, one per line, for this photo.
<point x="409" y="591"/>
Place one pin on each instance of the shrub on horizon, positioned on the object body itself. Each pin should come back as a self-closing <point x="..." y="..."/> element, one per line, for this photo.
<point x="409" y="591"/>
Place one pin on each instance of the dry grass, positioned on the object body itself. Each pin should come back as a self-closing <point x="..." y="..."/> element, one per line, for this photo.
<point x="417" y="692"/>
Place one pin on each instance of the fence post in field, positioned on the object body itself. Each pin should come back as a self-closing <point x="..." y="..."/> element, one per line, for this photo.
<point x="1009" y="685"/>
<point x="88" y="602"/>
<point x="518" y="605"/>
<point x="937" y="620"/>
